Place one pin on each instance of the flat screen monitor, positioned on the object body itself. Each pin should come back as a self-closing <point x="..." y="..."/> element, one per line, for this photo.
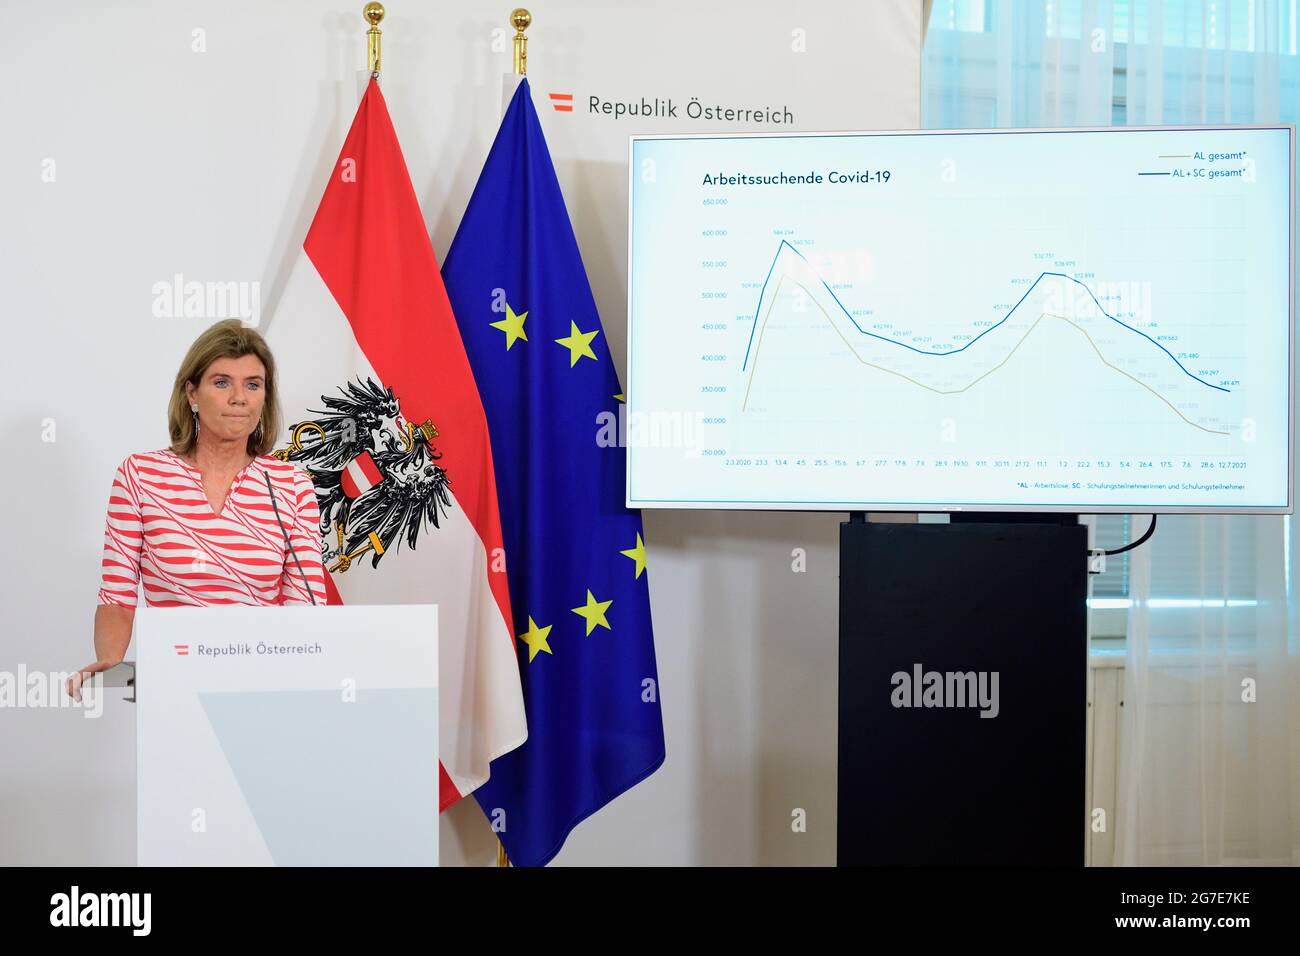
<point x="1083" y="320"/>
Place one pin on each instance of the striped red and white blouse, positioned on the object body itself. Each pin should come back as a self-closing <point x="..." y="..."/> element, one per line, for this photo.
<point x="162" y="537"/>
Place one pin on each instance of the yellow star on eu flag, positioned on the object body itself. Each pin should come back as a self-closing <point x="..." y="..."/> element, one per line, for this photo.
<point x="578" y="343"/>
<point x="513" y="326"/>
<point x="535" y="638"/>
<point x="637" y="554"/>
<point x="594" y="613"/>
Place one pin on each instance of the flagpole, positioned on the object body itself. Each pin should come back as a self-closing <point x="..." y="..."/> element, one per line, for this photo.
<point x="373" y="13"/>
<point x="520" y="19"/>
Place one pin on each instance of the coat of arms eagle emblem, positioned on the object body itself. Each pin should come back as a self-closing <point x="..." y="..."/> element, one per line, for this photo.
<point x="377" y="475"/>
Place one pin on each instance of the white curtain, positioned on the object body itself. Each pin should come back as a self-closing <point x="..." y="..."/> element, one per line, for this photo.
<point x="1210" y="740"/>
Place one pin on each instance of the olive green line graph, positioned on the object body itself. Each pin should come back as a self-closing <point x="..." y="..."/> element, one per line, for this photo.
<point x="776" y="293"/>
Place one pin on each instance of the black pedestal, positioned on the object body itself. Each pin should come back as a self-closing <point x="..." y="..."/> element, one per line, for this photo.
<point x="939" y="624"/>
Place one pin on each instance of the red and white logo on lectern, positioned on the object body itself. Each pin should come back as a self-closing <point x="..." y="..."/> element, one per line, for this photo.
<point x="182" y="650"/>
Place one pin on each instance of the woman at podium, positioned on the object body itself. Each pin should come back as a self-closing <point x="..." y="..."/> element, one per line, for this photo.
<point x="213" y="518"/>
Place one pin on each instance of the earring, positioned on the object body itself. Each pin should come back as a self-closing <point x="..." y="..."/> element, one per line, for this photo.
<point x="195" y="410"/>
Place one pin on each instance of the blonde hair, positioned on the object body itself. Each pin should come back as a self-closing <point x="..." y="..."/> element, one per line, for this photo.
<point x="228" y="338"/>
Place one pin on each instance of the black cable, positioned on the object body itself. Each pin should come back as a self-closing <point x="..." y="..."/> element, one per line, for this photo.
<point x="286" y="537"/>
<point x="1133" y="544"/>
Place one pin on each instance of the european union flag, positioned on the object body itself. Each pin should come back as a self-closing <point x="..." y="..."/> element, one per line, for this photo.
<point x="574" y="553"/>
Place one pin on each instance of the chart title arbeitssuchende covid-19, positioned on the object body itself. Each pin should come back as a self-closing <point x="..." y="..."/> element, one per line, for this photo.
<point x="811" y="178"/>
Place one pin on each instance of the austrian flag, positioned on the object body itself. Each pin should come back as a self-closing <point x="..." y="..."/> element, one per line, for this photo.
<point x="384" y="414"/>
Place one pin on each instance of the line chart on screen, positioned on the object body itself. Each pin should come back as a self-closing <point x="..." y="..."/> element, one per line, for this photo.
<point x="1082" y="320"/>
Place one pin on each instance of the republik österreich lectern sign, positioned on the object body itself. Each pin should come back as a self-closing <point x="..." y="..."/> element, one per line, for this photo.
<point x="290" y="736"/>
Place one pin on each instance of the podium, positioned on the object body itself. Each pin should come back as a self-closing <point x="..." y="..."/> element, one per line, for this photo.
<point x="288" y="736"/>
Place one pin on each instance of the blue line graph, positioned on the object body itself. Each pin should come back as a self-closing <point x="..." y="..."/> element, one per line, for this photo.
<point x="786" y="245"/>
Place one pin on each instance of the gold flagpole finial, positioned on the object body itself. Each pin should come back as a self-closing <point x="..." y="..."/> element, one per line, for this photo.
<point x="373" y="13"/>
<point x="520" y="19"/>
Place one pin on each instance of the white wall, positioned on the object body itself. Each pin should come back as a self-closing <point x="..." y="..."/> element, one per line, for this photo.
<point x="209" y="164"/>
